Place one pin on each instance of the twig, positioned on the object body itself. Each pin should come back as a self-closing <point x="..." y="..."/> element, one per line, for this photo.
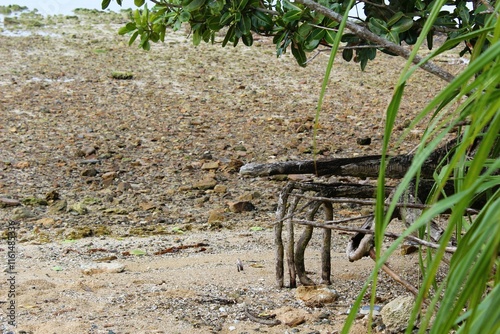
<point x="254" y="318"/>
<point x="395" y="276"/>
<point x="372" y="202"/>
<point x="369" y="36"/>
<point x="327" y="224"/>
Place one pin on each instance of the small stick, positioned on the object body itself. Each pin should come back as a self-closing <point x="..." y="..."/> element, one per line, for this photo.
<point x="372" y="202"/>
<point x="395" y="276"/>
<point x="254" y="318"/>
<point x="326" y="224"/>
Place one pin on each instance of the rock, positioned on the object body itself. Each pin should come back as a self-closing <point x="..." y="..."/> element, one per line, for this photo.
<point x="364" y="141"/>
<point x="123" y="186"/>
<point x="238" y="207"/>
<point x="221" y="189"/>
<point x="395" y="314"/>
<point x="78" y="208"/>
<point x="216" y="216"/>
<point x="316" y="296"/>
<point x="147" y="206"/>
<point x="52" y="196"/>
<point x="205" y="184"/>
<point x="210" y="165"/>
<point x="20" y="213"/>
<point x="109" y="175"/>
<point x="58" y="206"/>
<point x="87" y="150"/>
<point x="90" y="172"/>
<point x="22" y="164"/>
<point x="99" y="268"/>
<point x="5" y="202"/>
<point x="408" y="248"/>
<point x="233" y="166"/>
<point x="246" y="197"/>
<point x="46" y="222"/>
<point x="292" y="317"/>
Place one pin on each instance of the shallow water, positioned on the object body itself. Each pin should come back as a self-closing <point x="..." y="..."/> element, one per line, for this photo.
<point x="66" y="7"/>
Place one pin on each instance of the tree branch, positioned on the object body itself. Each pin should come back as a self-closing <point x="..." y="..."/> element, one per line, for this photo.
<point x="371" y="37"/>
<point x="328" y="225"/>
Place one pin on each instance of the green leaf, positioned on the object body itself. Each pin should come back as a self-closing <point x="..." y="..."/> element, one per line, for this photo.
<point x="196" y="37"/>
<point x="256" y="228"/>
<point x="105" y="4"/>
<point x="291" y="16"/>
<point x="133" y="38"/>
<point x="241" y="5"/>
<point x="229" y="35"/>
<point x="262" y="21"/>
<point x="137" y="252"/>
<point x="226" y="18"/>
<point x="403" y="25"/>
<point x="347" y="54"/>
<point x="184" y="16"/>
<point x="244" y="25"/>
<point x="247" y="39"/>
<point x="193" y="5"/>
<point x="57" y="268"/>
<point x="299" y="54"/>
<point x="330" y="36"/>
<point x="139" y="3"/>
<point x="395" y="18"/>
<point x="377" y="26"/>
<point x="129" y="27"/>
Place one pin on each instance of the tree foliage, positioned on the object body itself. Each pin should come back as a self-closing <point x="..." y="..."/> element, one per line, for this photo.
<point x="294" y="26"/>
<point x="467" y="300"/>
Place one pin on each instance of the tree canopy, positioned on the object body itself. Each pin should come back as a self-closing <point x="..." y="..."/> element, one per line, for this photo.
<point x="303" y="25"/>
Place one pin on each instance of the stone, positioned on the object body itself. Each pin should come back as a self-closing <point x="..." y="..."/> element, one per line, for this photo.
<point x="99" y="268"/>
<point x="292" y="317"/>
<point x="5" y="202"/>
<point x="109" y="175"/>
<point x="90" y="172"/>
<point x="78" y="208"/>
<point x="242" y="206"/>
<point x="396" y="314"/>
<point x="216" y="216"/>
<point x="58" y="206"/>
<point x="220" y="189"/>
<point x="205" y="184"/>
<point x="46" y="222"/>
<point x="364" y="141"/>
<point x="123" y="186"/>
<point x="20" y="213"/>
<point x="22" y="164"/>
<point x="317" y="296"/>
<point x="210" y="165"/>
<point x="246" y="197"/>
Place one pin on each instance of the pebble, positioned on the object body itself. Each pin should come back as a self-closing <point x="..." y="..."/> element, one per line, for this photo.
<point x="238" y="207"/>
<point x="5" y="202"/>
<point x="317" y="296"/>
<point x="98" y="268"/>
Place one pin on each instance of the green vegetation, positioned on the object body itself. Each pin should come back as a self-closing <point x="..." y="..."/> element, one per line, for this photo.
<point x="466" y="300"/>
<point x="7" y="10"/>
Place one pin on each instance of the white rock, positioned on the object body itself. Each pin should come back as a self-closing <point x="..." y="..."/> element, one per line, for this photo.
<point x="396" y="314"/>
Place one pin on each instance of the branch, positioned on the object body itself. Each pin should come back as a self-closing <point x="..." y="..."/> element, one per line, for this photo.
<point x="395" y="276"/>
<point x="327" y="224"/>
<point x="371" y="37"/>
<point x="373" y="202"/>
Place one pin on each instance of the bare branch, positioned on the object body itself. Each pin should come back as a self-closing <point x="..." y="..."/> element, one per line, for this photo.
<point x="328" y="225"/>
<point x="369" y="36"/>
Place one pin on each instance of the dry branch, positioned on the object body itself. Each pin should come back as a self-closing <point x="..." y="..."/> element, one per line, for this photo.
<point x="367" y="35"/>
<point x="329" y="225"/>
